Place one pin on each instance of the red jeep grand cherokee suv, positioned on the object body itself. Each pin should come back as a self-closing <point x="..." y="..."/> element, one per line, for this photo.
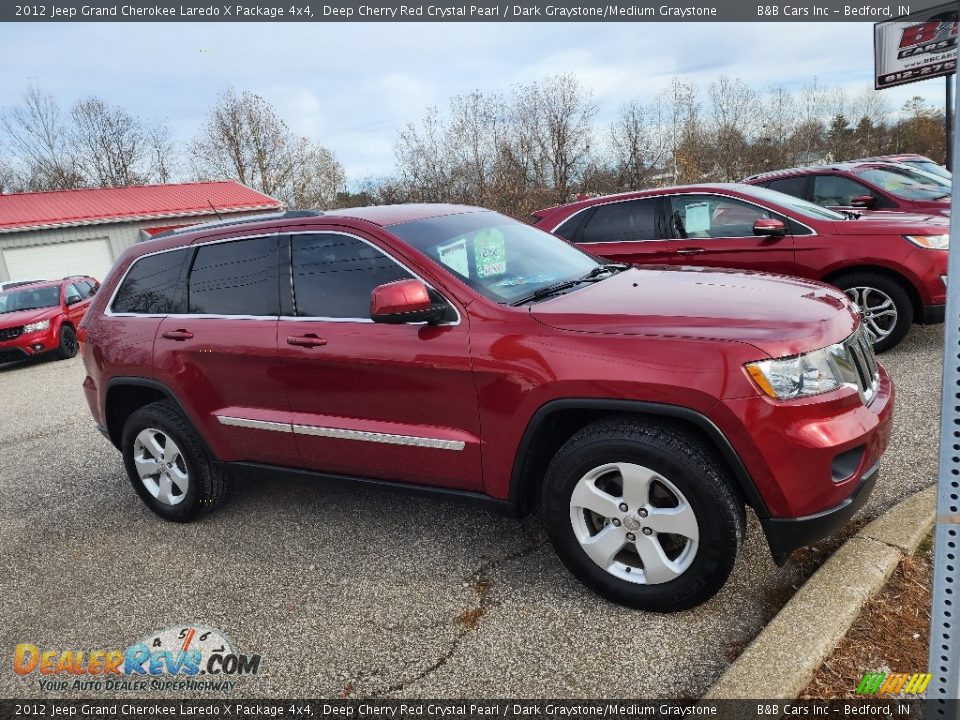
<point x="452" y="350"/>
<point x="42" y="317"/>
<point x="894" y="267"/>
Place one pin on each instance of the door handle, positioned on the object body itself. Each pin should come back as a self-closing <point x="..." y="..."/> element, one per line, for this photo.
<point x="307" y="341"/>
<point x="689" y="251"/>
<point x="177" y="335"/>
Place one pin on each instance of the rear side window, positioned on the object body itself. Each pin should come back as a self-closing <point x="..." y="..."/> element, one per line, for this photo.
<point x="569" y="228"/>
<point x="333" y="275"/>
<point x="152" y="286"/>
<point x="235" y="278"/>
<point x="622" y="222"/>
<point x="795" y="186"/>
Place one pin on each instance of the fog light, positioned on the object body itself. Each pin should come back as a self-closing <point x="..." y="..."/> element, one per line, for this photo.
<point x="37" y="347"/>
<point x="846" y="463"/>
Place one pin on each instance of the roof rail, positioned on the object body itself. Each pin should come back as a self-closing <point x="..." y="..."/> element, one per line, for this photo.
<point x="288" y="215"/>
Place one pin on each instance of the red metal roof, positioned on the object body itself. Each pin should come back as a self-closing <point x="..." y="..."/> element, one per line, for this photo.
<point x="38" y="210"/>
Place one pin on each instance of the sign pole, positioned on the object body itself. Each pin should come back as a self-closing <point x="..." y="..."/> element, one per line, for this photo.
<point x="944" y="664"/>
<point x="948" y="124"/>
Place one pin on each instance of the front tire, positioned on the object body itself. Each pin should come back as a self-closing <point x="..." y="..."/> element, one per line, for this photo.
<point x="68" y="346"/>
<point x="643" y="514"/>
<point x="168" y="465"/>
<point x="885" y="304"/>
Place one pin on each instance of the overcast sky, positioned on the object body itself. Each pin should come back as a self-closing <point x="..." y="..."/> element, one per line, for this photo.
<point x="350" y="86"/>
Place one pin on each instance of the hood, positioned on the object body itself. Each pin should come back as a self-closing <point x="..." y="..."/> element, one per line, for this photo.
<point x="778" y="315"/>
<point x="893" y="224"/>
<point x="22" y="317"/>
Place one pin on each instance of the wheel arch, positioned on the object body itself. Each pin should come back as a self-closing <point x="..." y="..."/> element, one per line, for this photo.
<point x="905" y="282"/>
<point x="126" y="395"/>
<point x="556" y="421"/>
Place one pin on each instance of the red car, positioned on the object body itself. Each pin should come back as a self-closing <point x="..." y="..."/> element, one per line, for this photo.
<point x="893" y="266"/>
<point x="456" y="352"/>
<point x="41" y="317"/>
<point x="862" y="185"/>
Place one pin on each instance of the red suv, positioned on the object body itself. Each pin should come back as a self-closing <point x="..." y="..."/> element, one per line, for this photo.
<point x="863" y="185"/>
<point x="42" y="317"/>
<point x="893" y="266"/>
<point x="453" y="351"/>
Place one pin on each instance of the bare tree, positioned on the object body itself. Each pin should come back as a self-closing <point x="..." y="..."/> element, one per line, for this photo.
<point x="733" y="122"/>
<point x="244" y="138"/>
<point x="39" y="137"/>
<point x="109" y="143"/>
<point x="639" y="142"/>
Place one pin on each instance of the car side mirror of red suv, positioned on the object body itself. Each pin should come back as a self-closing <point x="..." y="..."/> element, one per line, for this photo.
<point x="771" y="227"/>
<point x="404" y="301"/>
<point x="863" y="201"/>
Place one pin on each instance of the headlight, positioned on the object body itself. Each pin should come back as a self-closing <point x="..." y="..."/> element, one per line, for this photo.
<point x="799" y="376"/>
<point x="931" y="242"/>
<point x="36" y="327"/>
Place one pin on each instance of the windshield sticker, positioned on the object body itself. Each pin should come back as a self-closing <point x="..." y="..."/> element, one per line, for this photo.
<point x="697" y="218"/>
<point x="454" y="256"/>
<point x="490" y="253"/>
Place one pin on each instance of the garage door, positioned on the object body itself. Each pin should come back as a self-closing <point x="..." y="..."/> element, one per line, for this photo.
<point x="83" y="257"/>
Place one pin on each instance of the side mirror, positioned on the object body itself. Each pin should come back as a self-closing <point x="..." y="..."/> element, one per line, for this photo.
<point x="770" y="227"/>
<point x="404" y="301"/>
<point x="73" y="299"/>
<point x="863" y="201"/>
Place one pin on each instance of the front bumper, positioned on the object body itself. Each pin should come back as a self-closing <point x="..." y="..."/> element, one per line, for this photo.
<point x="933" y="314"/>
<point x="784" y="535"/>
<point x="813" y="462"/>
<point x="28" y="345"/>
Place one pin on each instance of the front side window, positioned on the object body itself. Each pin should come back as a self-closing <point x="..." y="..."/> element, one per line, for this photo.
<point x="72" y="294"/>
<point x="622" y="222"/>
<point x="499" y="257"/>
<point x="835" y="190"/>
<point x="152" y="286"/>
<point x="334" y="275"/>
<point x="713" y="216"/>
<point x="238" y="277"/>
<point x="14" y="300"/>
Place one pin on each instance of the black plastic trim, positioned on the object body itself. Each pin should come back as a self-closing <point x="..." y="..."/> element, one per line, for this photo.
<point x="784" y="535"/>
<point x="463" y="497"/>
<point x="519" y="486"/>
<point x="933" y="315"/>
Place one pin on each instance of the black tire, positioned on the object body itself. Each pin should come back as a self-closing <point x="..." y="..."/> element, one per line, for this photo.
<point x="207" y="485"/>
<point x="673" y="453"/>
<point x="68" y="346"/>
<point x="893" y="290"/>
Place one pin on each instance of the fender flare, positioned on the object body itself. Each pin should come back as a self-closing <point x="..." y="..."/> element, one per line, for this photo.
<point x="744" y="480"/>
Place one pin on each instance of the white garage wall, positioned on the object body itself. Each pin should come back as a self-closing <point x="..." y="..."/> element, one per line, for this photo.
<point x="82" y="257"/>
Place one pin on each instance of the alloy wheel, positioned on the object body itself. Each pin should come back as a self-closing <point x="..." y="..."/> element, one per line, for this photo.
<point x="878" y="310"/>
<point x="634" y="523"/>
<point x="161" y="466"/>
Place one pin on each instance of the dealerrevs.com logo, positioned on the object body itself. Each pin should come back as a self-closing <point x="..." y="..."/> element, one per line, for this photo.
<point x="178" y="658"/>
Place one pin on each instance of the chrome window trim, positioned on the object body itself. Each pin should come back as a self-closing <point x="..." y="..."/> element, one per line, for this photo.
<point x="813" y="233"/>
<point x="197" y="316"/>
<point x="343" y="434"/>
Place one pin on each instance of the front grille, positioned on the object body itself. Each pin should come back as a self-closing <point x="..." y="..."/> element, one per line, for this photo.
<point x="858" y="364"/>
<point x="11" y="333"/>
<point x="12" y="355"/>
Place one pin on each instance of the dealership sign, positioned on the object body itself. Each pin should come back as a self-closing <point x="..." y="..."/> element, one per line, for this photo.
<point x="915" y="47"/>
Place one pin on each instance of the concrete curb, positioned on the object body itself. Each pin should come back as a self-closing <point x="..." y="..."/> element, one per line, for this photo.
<point x="783" y="658"/>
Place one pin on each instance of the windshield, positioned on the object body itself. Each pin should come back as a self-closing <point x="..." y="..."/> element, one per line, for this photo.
<point x="801" y="207"/>
<point x="906" y="183"/>
<point x="14" y="300"/>
<point x="931" y="167"/>
<point x="500" y="258"/>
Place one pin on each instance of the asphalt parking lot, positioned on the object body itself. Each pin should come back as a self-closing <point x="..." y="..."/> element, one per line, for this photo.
<point x="366" y="594"/>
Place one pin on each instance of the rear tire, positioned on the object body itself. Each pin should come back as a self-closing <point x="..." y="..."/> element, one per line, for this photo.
<point x="885" y="304"/>
<point x="168" y="465"/>
<point x="68" y="346"/>
<point x="657" y="490"/>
